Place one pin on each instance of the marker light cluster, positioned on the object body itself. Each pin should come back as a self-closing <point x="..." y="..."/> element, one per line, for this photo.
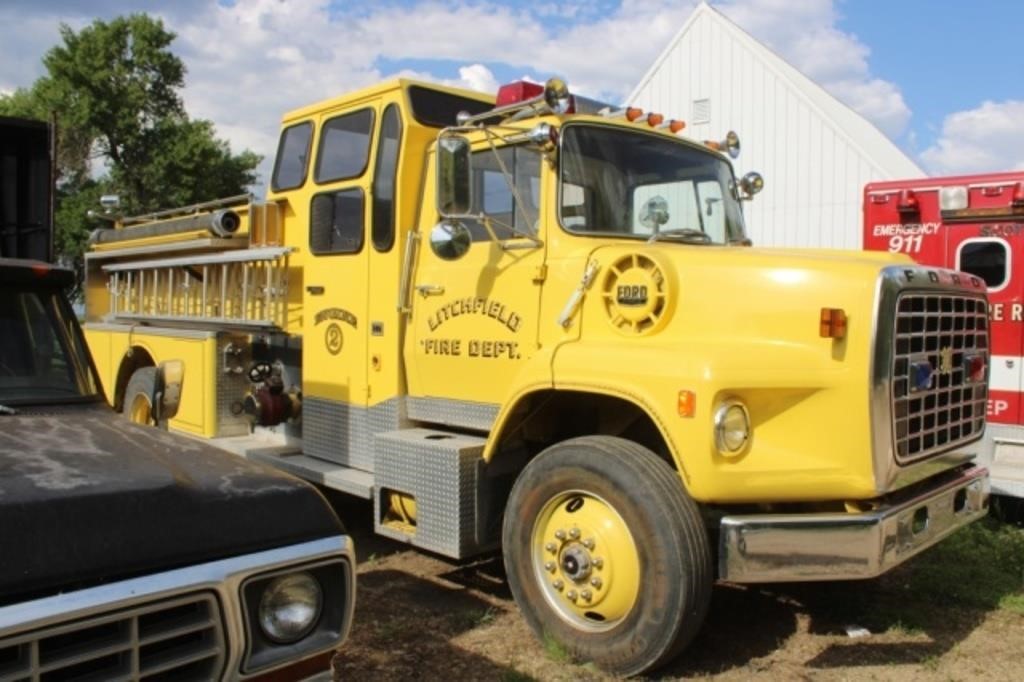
<point x="975" y="369"/>
<point x="922" y="374"/>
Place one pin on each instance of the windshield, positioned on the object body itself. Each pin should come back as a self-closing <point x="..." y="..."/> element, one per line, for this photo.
<point x="42" y="359"/>
<point x="630" y="184"/>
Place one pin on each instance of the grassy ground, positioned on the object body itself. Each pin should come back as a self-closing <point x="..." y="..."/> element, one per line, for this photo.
<point x="955" y="612"/>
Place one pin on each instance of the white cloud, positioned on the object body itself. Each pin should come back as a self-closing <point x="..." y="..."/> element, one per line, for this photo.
<point x="477" y="77"/>
<point x="805" y="35"/>
<point x="248" y="62"/>
<point x="988" y="138"/>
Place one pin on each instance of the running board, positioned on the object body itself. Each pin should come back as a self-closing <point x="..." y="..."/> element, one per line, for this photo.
<point x="328" y="474"/>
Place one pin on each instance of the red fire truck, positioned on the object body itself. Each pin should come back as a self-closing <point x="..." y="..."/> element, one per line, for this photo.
<point x="972" y="223"/>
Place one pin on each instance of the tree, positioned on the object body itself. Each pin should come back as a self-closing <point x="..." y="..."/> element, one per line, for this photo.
<point x="123" y="129"/>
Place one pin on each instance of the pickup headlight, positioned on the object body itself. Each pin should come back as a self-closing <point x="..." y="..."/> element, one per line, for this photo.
<point x="732" y="428"/>
<point x="290" y="607"/>
<point x="295" y="612"/>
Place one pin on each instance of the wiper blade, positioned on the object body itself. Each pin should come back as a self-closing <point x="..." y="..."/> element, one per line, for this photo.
<point x="684" y="234"/>
<point x="7" y="410"/>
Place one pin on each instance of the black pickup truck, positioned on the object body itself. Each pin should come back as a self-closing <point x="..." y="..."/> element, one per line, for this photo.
<point x="130" y="553"/>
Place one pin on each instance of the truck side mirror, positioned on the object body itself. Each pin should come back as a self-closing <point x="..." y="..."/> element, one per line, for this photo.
<point x="450" y="239"/>
<point x="750" y="184"/>
<point x="454" y="189"/>
<point x="167" y="396"/>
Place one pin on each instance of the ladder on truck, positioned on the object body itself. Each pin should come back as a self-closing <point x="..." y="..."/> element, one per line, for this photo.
<point x="244" y="288"/>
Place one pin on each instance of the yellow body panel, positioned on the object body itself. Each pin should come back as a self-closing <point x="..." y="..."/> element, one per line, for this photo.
<point x="198" y="412"/>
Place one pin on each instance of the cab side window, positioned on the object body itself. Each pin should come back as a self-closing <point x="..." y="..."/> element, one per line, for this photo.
<point x="385" y="174"/>
<point x="989" y="259"/>
<point x="493" y="195"/>
<point x="336" y="222"/>
<point x="344" y="146"/>
<point x="292" y="157"/>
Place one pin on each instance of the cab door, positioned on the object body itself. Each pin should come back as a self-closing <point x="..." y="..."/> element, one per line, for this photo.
<point x="336" y="285"/>
<point x="475" y="319"/>
<point x="989" y="253"/>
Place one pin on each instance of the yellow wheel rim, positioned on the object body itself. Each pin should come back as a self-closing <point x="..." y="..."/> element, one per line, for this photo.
<point x="585" y="560"/>
<point x="141" y="411"/>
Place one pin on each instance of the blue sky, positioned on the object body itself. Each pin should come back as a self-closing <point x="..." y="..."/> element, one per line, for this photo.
<point x="943" y="79"/>
<point x="945" y="56"/>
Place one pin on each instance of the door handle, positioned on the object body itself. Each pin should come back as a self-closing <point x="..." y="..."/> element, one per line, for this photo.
<point x="315" y="289"/>
<point x="429" y="289"/>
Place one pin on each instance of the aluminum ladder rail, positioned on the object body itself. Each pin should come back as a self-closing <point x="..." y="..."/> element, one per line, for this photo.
<point x="247" y="288"/>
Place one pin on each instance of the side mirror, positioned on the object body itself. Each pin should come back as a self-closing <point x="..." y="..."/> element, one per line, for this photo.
<point x="167" y="397"/>
<point x="750" y="184"/>
<point x="454" y="189"/>
<point x="450" y="240"/>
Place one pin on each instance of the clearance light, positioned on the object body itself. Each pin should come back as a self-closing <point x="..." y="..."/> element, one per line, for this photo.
<point x="687" y="403"/>
<point x="654" y="119"/>
<point x="730" y="145"/>
<point x="907" y="202"/>
<point x="675" y="126"/>
<point x="974" y="369"/>
<point x="953" y="198"/>
<point x="921" y="375"/>
<point x="833" y="323"/>
<point x="633" y="113"/>
<point x="1018" y="195"/>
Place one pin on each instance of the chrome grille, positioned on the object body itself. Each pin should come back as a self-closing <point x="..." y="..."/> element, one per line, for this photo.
<point x="937" y="330"/>
<point x="180" y="639"/>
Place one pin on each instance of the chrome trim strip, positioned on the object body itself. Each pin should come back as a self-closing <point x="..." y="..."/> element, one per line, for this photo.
<point x="224" y="577"/>
<point x="191" y="245"/>
<point x="146" y="330"/>
<point x="837" y="546"/>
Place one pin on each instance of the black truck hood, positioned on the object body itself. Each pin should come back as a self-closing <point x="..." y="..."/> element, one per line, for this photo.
<point x="87" y="497"/>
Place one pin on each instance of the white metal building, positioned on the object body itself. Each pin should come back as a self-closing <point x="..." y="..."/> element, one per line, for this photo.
<point x="816" y="154"/>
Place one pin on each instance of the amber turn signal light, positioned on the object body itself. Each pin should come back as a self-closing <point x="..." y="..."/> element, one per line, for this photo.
<point x="833" y="323"/>
<point x="687" y="403"/>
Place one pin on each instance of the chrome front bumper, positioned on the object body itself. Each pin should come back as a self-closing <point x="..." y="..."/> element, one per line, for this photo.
<point x="802" y="547"/>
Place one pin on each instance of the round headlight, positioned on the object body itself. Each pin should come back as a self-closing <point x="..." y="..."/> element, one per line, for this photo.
<point x="290" y="607"/>
<point x="732" y="428"/>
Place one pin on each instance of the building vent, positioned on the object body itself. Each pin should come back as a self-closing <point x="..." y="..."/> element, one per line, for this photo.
<point x="701" y="111"/>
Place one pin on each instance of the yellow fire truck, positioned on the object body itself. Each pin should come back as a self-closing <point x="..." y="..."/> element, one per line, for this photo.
<point x="535" y="322"/>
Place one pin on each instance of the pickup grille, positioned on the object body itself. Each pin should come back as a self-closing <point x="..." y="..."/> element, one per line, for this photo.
<point x="940" y="331"/>
<point x="180" y="639"/>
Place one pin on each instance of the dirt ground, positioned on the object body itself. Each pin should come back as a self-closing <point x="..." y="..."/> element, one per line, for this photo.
<point x="419" y="616"/>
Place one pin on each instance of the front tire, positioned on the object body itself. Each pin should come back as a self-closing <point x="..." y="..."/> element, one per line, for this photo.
<point x="607" y="554"/>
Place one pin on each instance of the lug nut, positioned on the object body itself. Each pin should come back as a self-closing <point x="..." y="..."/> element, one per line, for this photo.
<point x="549" y="566"/>
<point x="551" y="547"/>
<point x="598" y="562"/>
<point x="571" y="595"/>
<point x="560" y="534"/>
<point x="596" y="582"/>
<point x="558" y="585"/>
<point x="574" y="533"/>
<point x="589" y="543"/>
<point x="587" y="595"/>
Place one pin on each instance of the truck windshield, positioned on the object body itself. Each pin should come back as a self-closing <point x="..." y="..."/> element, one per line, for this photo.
<point x="42" y="359"/>
<point x="632" y="184"/>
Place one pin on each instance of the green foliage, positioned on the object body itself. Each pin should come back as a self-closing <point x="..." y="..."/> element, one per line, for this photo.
<point x="114" y="87"/>
<point x="978" y="567"/>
